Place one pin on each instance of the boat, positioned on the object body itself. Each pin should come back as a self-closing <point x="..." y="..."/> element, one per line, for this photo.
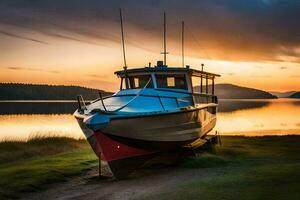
<point x="157" y="109"/>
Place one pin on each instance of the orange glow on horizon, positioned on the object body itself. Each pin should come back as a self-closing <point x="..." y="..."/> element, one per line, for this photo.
<point x="92" y="65"/>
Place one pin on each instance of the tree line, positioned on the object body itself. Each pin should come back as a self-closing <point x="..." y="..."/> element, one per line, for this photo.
<point x="20" y="91"/>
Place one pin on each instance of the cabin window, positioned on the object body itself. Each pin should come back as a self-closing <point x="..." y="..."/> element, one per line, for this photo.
<point x="171" y="81"/>
<point x="141" y="81"/>
<point x="136" y="82"/>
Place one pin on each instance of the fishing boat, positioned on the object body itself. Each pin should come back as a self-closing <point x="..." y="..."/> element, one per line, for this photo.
<point x="156" y="109"/>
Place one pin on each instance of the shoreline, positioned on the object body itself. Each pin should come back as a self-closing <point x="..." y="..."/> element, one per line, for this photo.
<point x="263" y="133"/>
<point x="257" y="133"/>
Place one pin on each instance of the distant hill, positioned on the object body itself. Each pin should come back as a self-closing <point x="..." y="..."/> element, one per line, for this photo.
<point x="229" y="91"/>
<point x="283" y="94"/>
<point x="16" y="91"/>
<point x="295" y="95"/>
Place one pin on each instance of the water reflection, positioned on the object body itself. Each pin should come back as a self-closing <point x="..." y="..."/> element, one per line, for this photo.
<point x="277" y="117"/>
<point x="297" y="103"/>
<point x="20" y="120"/>
<point x="22" y="127"/>
<point x="229" y="105"/>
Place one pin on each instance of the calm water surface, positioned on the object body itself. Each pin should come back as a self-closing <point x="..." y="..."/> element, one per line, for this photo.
<point x="22" y="120"/>
<point x="259" y="117"/>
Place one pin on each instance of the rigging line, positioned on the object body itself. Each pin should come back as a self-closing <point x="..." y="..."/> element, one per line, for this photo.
<point x="198" y="43"/>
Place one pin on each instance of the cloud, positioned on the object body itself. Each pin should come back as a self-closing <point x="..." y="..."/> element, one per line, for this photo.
<point x="225" y="29"/>
<point x="15" y="68"/>
<point x="61" y="36"/>
<point x="96" y="76"/>
<point x="22" y="37"/>
<point x="33" y="69"/>
<point x="295" y="76"/>
<point x="260" y="76"/>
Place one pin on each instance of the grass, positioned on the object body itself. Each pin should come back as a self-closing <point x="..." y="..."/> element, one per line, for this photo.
<point x="206" y="160"/>
<point x="29" y="166"/>
<point x="245" y="168"/>
<point x="37" y="146"/>
<point x="242" y="168"/>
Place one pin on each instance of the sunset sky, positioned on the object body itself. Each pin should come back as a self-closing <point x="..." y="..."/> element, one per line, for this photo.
<point x="253" y="43"/>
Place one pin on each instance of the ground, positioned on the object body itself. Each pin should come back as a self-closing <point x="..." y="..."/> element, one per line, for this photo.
<point x="242" y="168"/>
<point x="145" y="184"/>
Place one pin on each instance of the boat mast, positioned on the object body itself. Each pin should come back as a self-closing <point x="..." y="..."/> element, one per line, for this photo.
<point x="123" y="41"/>
<point x="182" y="40"/>
<point x="165" y="41"/>
<point x="124" y="53"/>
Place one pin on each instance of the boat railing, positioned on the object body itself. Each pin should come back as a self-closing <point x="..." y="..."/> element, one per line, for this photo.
<point x="81" y="103"/>
<point x="102" y="102"/>
<point x="196" y="99"/>
<point x="133" y="95"/>
<point x="205" y="98"/>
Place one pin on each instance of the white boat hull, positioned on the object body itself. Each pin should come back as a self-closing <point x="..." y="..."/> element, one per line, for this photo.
<point x="180" y="127"/>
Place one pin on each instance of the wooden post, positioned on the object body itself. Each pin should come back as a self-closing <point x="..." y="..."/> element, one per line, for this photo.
<point x="126" y="78"/>
<point x="201" y="85"/>
<point x="213" y="86"/>
<point x="206" y="85"/>
<point x="121" y="85"/>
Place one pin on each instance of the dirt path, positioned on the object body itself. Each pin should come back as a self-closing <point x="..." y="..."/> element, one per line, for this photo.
<point x="142" y="184"/>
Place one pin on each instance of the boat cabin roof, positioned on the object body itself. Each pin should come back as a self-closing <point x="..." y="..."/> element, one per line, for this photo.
<point x="165" y="69"/>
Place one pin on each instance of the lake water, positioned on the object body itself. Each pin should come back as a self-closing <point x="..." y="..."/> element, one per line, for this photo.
<point x="25" y="119"/>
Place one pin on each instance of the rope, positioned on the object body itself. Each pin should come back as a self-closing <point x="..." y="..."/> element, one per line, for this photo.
<point x="137" y="95"/>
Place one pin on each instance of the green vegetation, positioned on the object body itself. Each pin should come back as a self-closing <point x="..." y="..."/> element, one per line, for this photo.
<point x="242" y="168"/>
<point x="245" y="168"/>
<point x="19" y="91"/>
<point x="29" y="166"/>
<point x="204" y="161"/>
<point x="37" y="146"/>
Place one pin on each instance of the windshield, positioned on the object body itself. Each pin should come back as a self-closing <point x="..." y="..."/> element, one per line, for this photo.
<point x="135" y="82"/>
<point x="171" y="81"/>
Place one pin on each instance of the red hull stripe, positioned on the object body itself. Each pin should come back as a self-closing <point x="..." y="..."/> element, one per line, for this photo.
<point x="113" y="150"/>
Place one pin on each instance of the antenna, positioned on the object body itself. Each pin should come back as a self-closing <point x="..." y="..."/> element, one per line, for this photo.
<point x="165" y="41"/>
<point x="182" y="40"/>
<point x="123" y="42"/>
